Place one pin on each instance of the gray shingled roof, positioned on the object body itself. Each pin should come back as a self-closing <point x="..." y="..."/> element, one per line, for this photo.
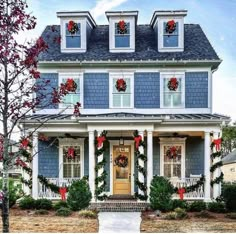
<point x="230" y="158"/>
<point x="197" y="46"/>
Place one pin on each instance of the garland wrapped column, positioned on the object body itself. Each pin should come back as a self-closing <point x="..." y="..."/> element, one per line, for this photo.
<point x="217" y="175"/>
<point x="100" y="181"/>
<point x="141" y="159"/>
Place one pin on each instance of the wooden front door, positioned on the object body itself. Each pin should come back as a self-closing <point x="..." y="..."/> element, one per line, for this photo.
<point x="122" y="169"/>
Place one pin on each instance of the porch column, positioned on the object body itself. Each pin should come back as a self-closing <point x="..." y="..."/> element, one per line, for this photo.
<point x="35" y="167"/>
<point x="216" y="173"/>
<point x="149" y="159"/>
<point x="207" y="160"/>
<point x="141" y="163"/>
<point x="91" y="164"/>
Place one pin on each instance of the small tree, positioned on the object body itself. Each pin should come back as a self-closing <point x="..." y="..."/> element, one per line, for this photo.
<point x="229" y="139"/>
<point x="19" y="80"/>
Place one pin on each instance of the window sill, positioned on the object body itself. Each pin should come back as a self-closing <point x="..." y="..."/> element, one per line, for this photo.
<point x="73" y="50"/>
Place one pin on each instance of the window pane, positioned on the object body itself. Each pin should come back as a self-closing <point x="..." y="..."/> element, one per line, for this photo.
<point x="177" y="99"/>
<point x="73" y="42"/>
<point x="67" y="170"/>
<point x="128" y="88"/>
<point x="167" y="170"/>
<point x="116" y="100"/>
<point x="126" y="100"/>
<point x="171" y="41"/>
<point x="122" y="41"/>
<point x="76" y="170"/>
<point x="167" y="100"/>
<point x="177" y="170"/>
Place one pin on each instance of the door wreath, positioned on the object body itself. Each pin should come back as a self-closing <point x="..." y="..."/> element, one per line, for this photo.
<point x="121" y="161"/>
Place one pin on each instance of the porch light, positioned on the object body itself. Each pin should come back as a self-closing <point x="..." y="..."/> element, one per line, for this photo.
<point x="121" y="141"/>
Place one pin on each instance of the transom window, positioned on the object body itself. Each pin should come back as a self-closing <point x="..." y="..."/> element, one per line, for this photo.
<point x="171" y="39"/>
<point x="73" y="40"/>
<point x="122" y="39"/>
<point x="72" y="168"/>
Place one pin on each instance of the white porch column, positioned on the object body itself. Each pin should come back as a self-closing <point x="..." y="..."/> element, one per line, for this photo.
<point x="91" y="164"/>
<point x="149" y="160"/>
<point x="217" y="172"/>
<point x="35" y="166"/>
<point x="141" y="163"/>
<point x="100" y="158"/>
<point x="207" y="161"/>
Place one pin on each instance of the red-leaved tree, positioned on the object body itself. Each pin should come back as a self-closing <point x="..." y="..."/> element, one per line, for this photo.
<point x="19" y="80"/>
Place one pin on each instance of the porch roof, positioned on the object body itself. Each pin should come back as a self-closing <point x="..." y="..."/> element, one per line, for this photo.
<point x="123" y="116"/>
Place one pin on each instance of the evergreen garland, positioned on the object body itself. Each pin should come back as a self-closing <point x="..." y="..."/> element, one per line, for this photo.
<point x="142" y="186"/>
<point x="99" y="190"/>
<point x="218" y="179"/>
<point x="215" y="166"/>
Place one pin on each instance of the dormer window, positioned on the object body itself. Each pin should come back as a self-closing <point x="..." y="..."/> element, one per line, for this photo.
<point x="122" y="34"/>
<point x="73" y="40"/>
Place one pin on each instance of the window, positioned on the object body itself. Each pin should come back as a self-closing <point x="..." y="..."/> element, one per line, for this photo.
<point x="72" y="168"/>
<point x="121" y="99"/>
<point x="122" y="39"/>
<point x="171" y="39"/>
<point x="73" y="40"/>
<point x="172" y="98"/>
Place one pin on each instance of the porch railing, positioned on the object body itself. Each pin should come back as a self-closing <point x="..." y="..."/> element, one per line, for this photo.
<point x="194" y="195"/>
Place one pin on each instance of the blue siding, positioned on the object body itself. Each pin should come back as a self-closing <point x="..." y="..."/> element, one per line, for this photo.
<point x="147" y="90"/>
<point x="194" y="156"/>
<point x="48" y="157"/>
<point x="86" y="157"/>
<point x="96" y="90"/>
<point x="45" y="92"/>
<point x="196" y="89"/>
<point x="156" y="156"/>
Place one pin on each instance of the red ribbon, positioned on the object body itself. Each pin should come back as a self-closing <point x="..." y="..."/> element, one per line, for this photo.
<point x="171" y="24"/>
<point x="122" y="25"/>
<point x="137" y="140"/>
<point x="24" y="143"/>
<point x="100" y="140"/>
<point x="217" y="143"/>
<point x="62" y="191"/>
<point x="181" y="192"/>
<point x="173" y="82"/>
<point x="70" y="85"/>
<point x="71" y="152"/>
<point x="70" y="25"/>
<point x="120" y="83"/>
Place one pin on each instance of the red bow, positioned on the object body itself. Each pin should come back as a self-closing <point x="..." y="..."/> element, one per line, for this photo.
<point x="71" y="152"/>
<point x="171" y="24"/>
<point x="122" y="25"/>
<point x="19" y="162"/>
<point x="24" y="143"/>
<point x="100" y="140"/>
<point x="181" y="192"/>
<point x="173" y="82"/>
<point x="120" y="83"/>
<point x="62" y="191"/>
<point x="70" y="25"/>
<point x="137" y="140"/>
<point x="70" y="85"/>
<point x="217" y="143"/>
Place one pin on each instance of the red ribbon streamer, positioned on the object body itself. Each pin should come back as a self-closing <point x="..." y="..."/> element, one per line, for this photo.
<point x="181" y="192"/>
<point x="100" y="140"/>
<point x="62" y="191"/>
<point x="71" y="152"/>
<point x="24" y="143"/>
<point x="137" y="140"/>
<point x="217" y="143"/>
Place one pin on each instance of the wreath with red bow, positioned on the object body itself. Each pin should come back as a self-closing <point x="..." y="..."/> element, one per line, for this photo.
<point x="170" y="26"/>
<point x="122" y="27"/>
<point x="70" y="153"/>
<point x="121" y="85"/>
<point x="171" y="153"/>
<point x="72" y="27"/>
<point x="71" y="86"/>
<point x="121" y="161"/>
<point x="173" y="84"/>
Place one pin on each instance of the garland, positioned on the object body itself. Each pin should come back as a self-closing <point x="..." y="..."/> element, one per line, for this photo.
<point x="170" y="26"/>
<point x="142" y="186"/>
<point x="121" y="161"/>
<point x="171" y="153"/>
<point x="218" y="179"/>
<point x="100" y="180"/>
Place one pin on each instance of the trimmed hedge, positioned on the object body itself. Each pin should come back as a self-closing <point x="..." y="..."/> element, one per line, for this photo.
<point x="43" y="204"/>
<point x="197" y="206"/>
<point x="27" y="203"/>
<point x="229" y="196"/>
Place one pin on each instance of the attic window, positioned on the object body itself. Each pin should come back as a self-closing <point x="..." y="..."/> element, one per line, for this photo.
<point x="122" y="35"/>
<point x="73" y="40"/>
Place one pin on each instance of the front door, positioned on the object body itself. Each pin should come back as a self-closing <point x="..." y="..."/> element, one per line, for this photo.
<point x="122" y="169"/>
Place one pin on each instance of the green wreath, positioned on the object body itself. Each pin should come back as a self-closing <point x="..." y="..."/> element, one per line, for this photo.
<point x="121" y="161"/>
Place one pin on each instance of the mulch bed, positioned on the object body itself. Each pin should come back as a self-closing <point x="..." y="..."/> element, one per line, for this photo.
<point x="217" y="223"/>
<point x="28" y="221"/>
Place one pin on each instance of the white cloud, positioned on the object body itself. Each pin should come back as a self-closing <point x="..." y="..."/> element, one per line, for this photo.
<point x="105" y="5"/>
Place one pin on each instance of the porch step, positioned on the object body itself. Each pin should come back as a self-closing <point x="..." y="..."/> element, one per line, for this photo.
<point x="119" y="206"/>
<point x="121" y="197"/>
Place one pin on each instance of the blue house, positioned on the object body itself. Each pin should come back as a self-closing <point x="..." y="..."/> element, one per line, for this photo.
<point x="154" y="78"/>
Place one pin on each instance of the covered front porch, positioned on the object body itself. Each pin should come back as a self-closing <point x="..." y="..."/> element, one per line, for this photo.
<point x="191" y="140"/>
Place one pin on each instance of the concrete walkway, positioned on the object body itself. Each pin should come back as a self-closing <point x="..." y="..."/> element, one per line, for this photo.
<point x="119" y="222"/>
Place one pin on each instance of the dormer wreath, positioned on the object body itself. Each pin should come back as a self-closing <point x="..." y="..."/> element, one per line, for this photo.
<point x="170" y="26"/>
<point x="171" y="153"/>
<point x="122" y="27"/>
<point x="173" y="84"/>
<point x="72" y="27"/>
<point x="121" y="85"/>
<point x="121" y="161"/>
<point x="71" y="86"/>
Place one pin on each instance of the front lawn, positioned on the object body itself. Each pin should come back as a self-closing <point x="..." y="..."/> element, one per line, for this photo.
<point x="215" y="223"/>
<point x="28" y="221"/>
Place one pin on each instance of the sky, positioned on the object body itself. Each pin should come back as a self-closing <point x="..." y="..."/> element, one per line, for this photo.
<point x="216" y="17"/>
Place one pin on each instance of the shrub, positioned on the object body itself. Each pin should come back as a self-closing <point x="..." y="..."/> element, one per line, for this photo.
<point x="161" y="191"/>
<point x="14" y="192"/>
<point x="87" y="214"/>
<point x="79" y="195"/>
<point x="197" y="206"/>
<point x="60" y="204"/>
<point x="27" y="203"/>
<point x="171" y="216"/>
<point x="217" y="207"/>
<point x="204" y="214"/>
<point x="179" y="204"/>
<point x="63" y="211"/>
<point x="229" y="195"/>
<point x="41" y="212"/>
<point x="43" y="203"/>
<point x="231" y="216"/>
<point x="181" y="213"/>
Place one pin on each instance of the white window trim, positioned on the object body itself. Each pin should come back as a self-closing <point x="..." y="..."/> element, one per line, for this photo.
<point x="113" y="49"/>
<point x="170" y="142"/>
<point x="83" y="36"/>
<point x="164" y="75"/>
<point x="81" y="80"/>
<point x="71" y="142"/>
<point x="123" y="75"/>
<point x="160" y="35"/>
